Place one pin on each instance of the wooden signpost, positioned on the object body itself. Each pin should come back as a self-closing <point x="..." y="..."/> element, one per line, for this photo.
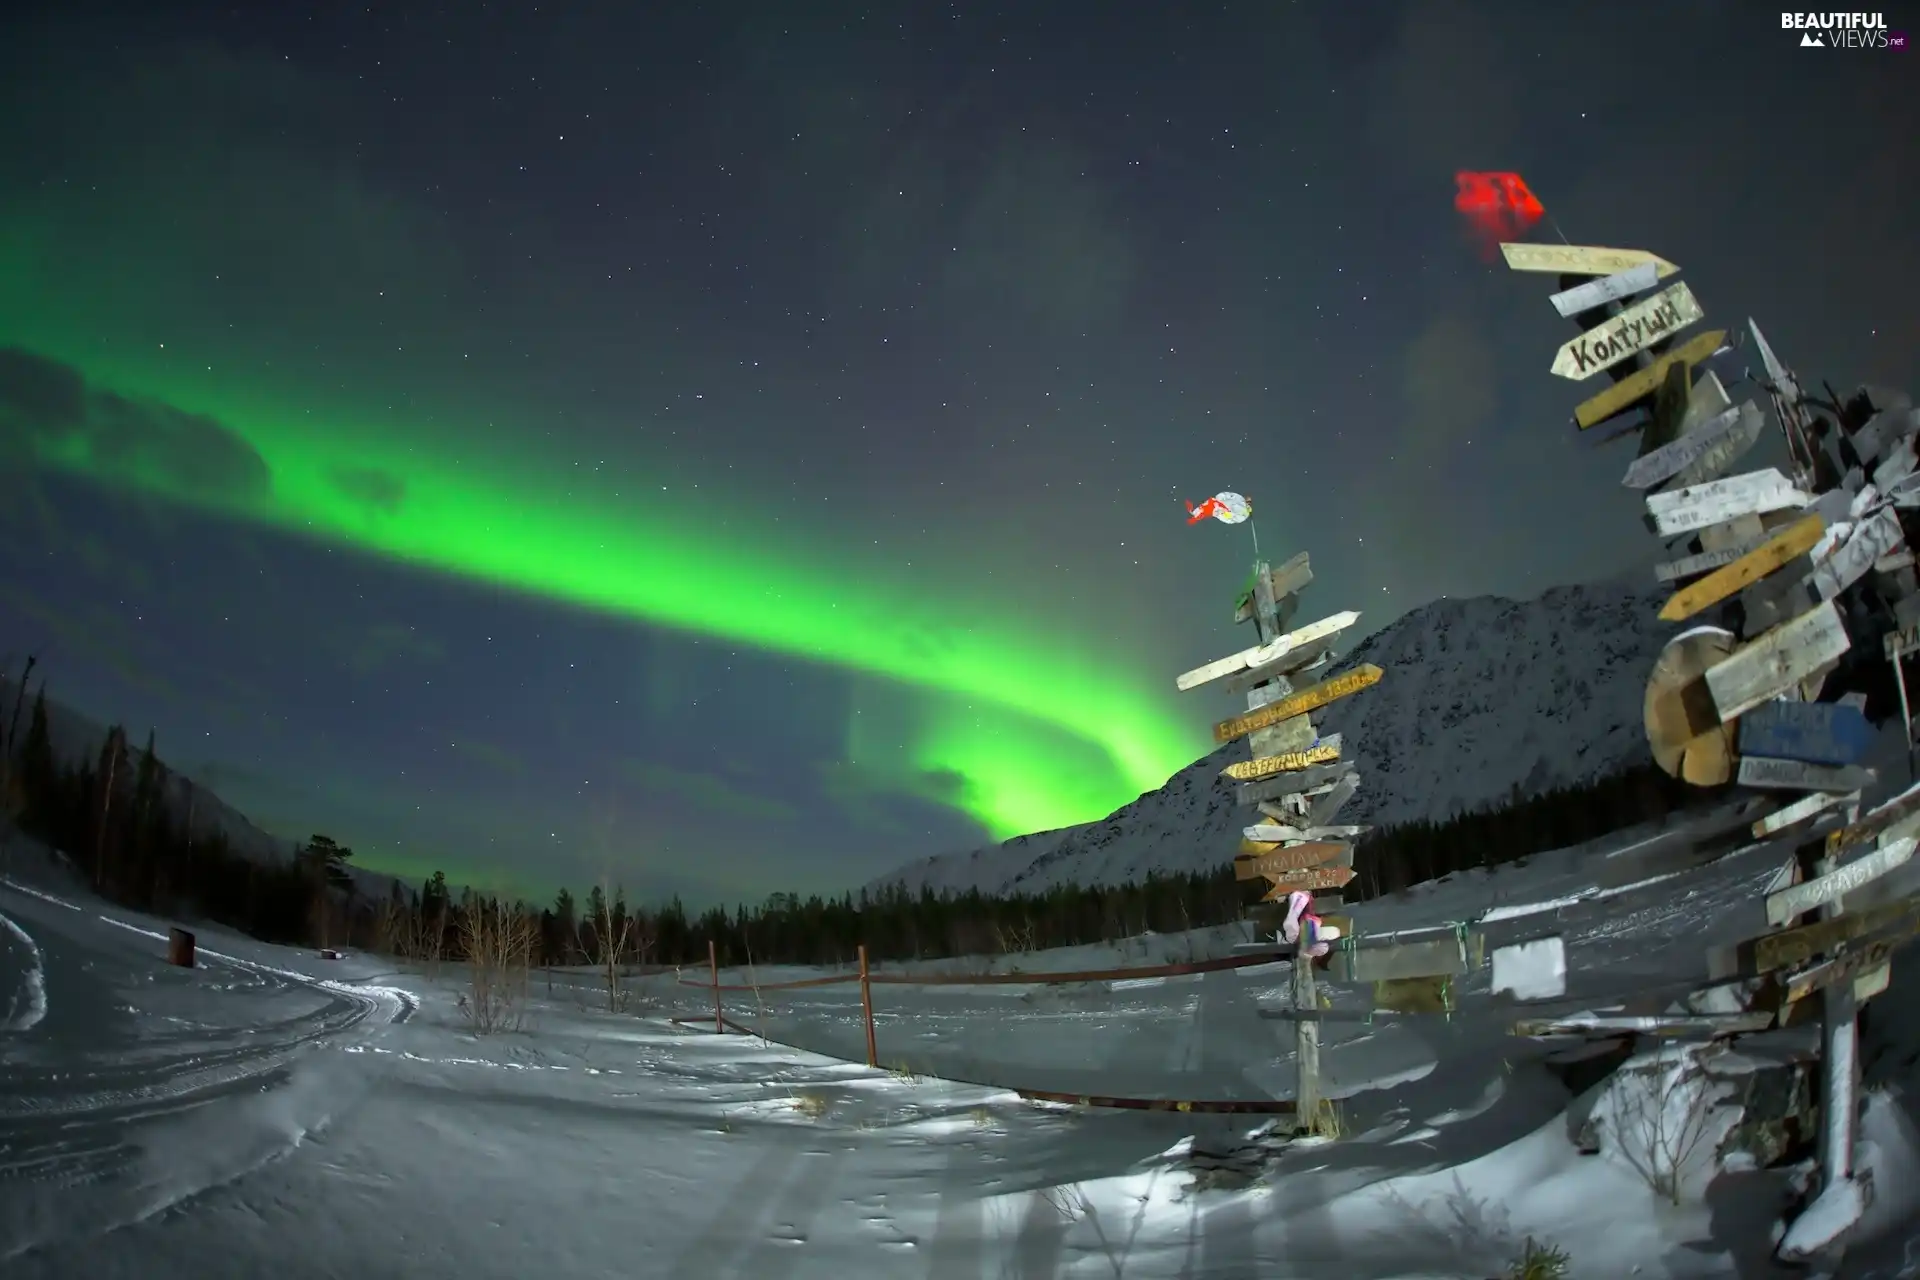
<point x="1669" y="460"/>
<point x="1267" y="766"/>
<point x="1254" y="863"/>
<point x="1869" y="540"/>
<point x="1313" y="880"/>
<point x="1628" y="334"/>
<point x="1724" y="452"/>
<point x="1788" y="903"/>
<point x="1760" y="771"/>
<point x="1800" y="810"/>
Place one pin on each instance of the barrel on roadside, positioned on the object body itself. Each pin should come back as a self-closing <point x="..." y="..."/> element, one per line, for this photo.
<point x="180" y="948"/>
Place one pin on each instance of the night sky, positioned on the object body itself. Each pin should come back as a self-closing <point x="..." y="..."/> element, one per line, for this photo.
<point x="742" y="450"/>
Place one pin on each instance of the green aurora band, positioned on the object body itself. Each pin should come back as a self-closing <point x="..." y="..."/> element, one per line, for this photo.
<point x="1023" y="733"/>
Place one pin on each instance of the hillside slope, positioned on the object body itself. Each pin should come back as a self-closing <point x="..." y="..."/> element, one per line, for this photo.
<point x="1481" y="697"/>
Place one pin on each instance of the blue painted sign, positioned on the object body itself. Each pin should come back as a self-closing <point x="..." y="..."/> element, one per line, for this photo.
<point x="1832" y="733"/>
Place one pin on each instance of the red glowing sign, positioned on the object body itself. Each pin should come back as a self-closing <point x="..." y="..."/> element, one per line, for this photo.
<point x="1496" y="207"/>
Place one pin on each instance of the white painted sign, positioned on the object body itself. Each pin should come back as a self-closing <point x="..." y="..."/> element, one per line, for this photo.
<point x="1788" y="903"/>
<point x="1263" y="654"/>
<point x="1705" y="561"/>
<point x="1649" y="469"/>
<point x="1899" y="644"/>
<point x="1629" y="333"/>
<point x="1725" y="451"/>
<point x="1870" y="539"/>
<point x="1797" y="775"/>
<point x="1621" y="284"/>
<point x="1800" y="810"/>
<point x="1897" y="466"/>
<point x="1274" y="833"/>
<point x="1777" y="661"/>
<point x="1698" y="506"/>
<point x="1535" y="970"/>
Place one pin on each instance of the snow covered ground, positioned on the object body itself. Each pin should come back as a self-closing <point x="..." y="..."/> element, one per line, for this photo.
<point x="270" y="1113"/>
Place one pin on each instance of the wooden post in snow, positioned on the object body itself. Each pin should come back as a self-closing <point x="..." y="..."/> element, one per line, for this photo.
<point x="713" y="967"/>
<point x="866" y="1007"/>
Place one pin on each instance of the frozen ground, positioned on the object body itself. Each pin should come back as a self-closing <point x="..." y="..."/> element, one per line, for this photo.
<point x="274" y="1114"/>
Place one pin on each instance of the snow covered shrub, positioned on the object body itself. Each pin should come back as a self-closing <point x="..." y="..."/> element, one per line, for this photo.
<point x="497" y="937"/>
<point x="1660" y="1113"/>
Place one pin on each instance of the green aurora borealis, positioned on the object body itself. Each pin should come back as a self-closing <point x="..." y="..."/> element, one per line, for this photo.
<point x="1034" y="730"/>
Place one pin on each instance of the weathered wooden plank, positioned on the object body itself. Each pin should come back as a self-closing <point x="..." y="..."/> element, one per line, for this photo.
<point x="1580" y="259"/>
<point x="1275" y="833"/>
<point x="1309" y="699"/>
<point x="1302" y="781"/>
<point x="1778" y="598"/>
<point x="1726" y="451"/>
<point x="1626" y="335"/>
<point x="1675" y="1025"/>
<point x="1293" y="734"/>
<point x="1284" y="860"/>
<point x="1788" y="903"/>
<point x="1800" y="810"/>
<point x="1797" y="775"/>
<point x="1264" y="654"/>
<point x="1432" y="958"/>
<point x="1872" y="983"/>
<point x="1775" y="662"/>
<point x="1770" y="953"/>
<point x="1754" y="493"/>
<point x="1650" y="469"/>
<point x="1268" y="766"/>
<point x="1312" y="880"/>
<point x="1896" y="466"/>
<point x="1858" y="961"/>
<point x="1816" y="732"/>
<point x="1294" y="665"/>
<point x="1326" y="806"/>
<point x="1870" y="539"/>
<point x="1898" y="644"/>
<point x="1796" y="539"/>
<point x="1704" y="561"/>
<point x="1641" y="383"/>
<point x="1286" y="580"/>
<point x="1596" y="293"/>
<point x="1882" y="820"/>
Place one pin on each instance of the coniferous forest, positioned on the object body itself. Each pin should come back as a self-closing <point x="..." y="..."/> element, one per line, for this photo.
<point x="119" y="821"/>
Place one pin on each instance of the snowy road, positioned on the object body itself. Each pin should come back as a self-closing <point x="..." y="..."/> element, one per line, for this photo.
<point x="269" y="1113"/>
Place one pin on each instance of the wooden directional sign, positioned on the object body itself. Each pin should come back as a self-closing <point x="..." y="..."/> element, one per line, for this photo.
<point x="1649" y="469"/>
<point x="1439" y="957"/>
<point x="1710" y="1026"/>
<point x="1790" y="948"/>
<point x="1724" y="452"/>
<point x="1283" y="581"/>
<point x="1330" y="803"/>
<point x="1873" y="825"/>
<point x="1817" y="732"/>
<point x="1294" y="662"/>
<point x="1790" y="902"/>
<point x="1629" y="333"/>
<point x="1312" y="880"/>
<point x="1277" y="833"/>
<point x="1268" y="766"/>
<point x="1860" y="961"/>
<point x="1698" y="506"/>
<point x="1641" y="383"/>
<point x="1797" y="775"/>
<point x="1870" y="539"/>
<point x="1302" y="782"/>
<point x="1704" y="561"/>
<point x="1311" y="698"/>
<point x="1283" y="860"/>
<point x="1597" y="293"/>
<point x="1777" y="661"/>
<point x="1796" y="539"/>
<point x="1581" y="259"/>
<point x="1899" y="644"/>
<point x="1273" y="651"/>
<point x="1800" y="810"/>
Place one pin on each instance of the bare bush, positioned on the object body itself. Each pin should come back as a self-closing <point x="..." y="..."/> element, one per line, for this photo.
<point x="1661" y="1111"/>
<point x="498" y="938"/>
<point x="1015" y="939"/>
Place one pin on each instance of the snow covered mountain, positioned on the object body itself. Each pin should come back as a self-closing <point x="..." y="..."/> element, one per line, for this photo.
<point x="1481" y="696"/>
